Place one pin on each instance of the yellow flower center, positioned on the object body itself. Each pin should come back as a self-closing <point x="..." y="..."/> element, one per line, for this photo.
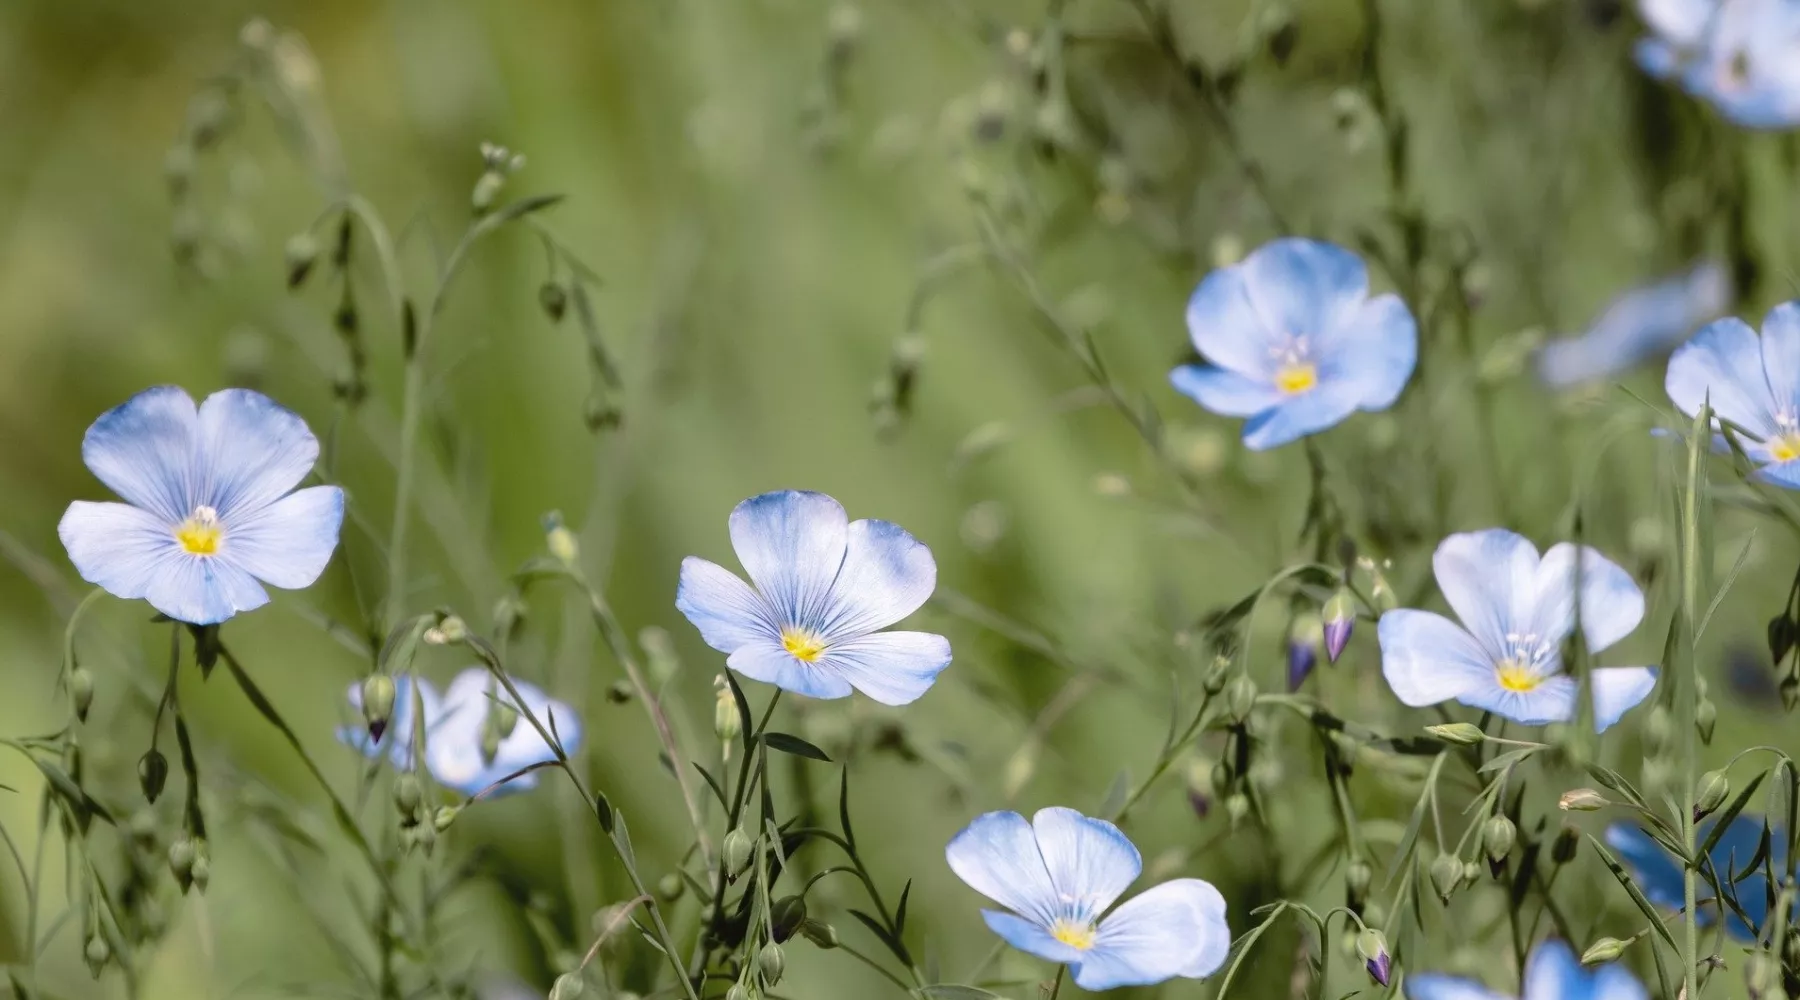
<point x="201" y="533"/>
<point x="1517" y="677"/>
<point x="805" y="646"/>
<point x="1785" y="447"/>
<point x="1294" y="379"/>
<point x="1077" y="936"/>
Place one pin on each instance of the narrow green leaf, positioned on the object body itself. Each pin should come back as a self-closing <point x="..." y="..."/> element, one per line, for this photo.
<point x="1631" y="888"/>
<point x="713" y="783"/>
<point x="900" y="911"/>
<point x="621" y="839"/>
<point x="603" y="811"/>
<point x="1508" y="759"/>
<point x="789" y="743"/>
<point x="844" y="809"/>
<point x="1730" y="813"/>
<point x="954" y="991"/>
<point x="881" y="933"/>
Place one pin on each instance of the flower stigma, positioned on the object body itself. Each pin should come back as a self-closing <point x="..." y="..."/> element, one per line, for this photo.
<point x="201" y="533"/>
<point x="1296" y="378"/>
<point x="805" y="646"/>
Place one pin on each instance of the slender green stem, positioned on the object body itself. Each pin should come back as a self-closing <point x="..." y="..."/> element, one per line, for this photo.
<point x="877" y="966"/>
<point x="1056" y="987"/>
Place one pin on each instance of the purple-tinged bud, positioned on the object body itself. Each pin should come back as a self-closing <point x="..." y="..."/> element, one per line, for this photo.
<point x="1304" y="636"/>
<point x="1371" y="945"/>
<point x="1340" y="620"/>
<point x="1200" y="787"/>
<point x="378" y="695"/>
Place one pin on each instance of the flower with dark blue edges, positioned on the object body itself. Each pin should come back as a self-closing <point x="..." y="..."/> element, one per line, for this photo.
<point x="1660" y="875"/>
<point x="825" y="587"/>
<point x="1637" y="325"/>
<point x="456" y="752"/>
<point x="211" y="513"/>
<point x="1740" y="56"/>
<point x="1552" y="972"/>
<point x="1293" y="341"/>
<point x="1059" y="874"/>
<point x="1752" y="382"/>
<point x="1516" y="610"/>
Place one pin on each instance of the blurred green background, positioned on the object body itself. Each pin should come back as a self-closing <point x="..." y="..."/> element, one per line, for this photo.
<point x="764" y="187"/>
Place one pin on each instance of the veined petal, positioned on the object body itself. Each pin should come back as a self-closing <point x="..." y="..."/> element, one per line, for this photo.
<point x="1431" y="986"/>
<point x="1175" y="929"/>
<point x="204" y="590"/>
<point x="1090" y="860"/>
<point x="453" y="747"/>
<point x="1611" y="603"/>
<point x="1223" y="391"/>
<point x="1030" y="938"/>
<point x="1723" y="362"/>
<point x="1300" y="415"/>
<point x="1784" y="474"/>
<point x="1227" y="330"/>
<point x="886" y="575"/>
<point x="1617" y="690"/>
<point x="727" y="612"/>
<point x="287" y="543"/>
<point x="792" y="545"/>
<point x="764" y="660"/>
<point x="252" y="451"/>
<point x="893" y="668"/>
<point x="1428" y="659"/>
<point x="997" y="855"/>
<point x="1490" y="579"/>
<point x="118" y="547"/>
<point x="144" y="450"/>
<point x="1373" y="351"/>
<point x="1781" y="355"/>
<point x="1553" y="700"/>
<point x="1304" y="287"/>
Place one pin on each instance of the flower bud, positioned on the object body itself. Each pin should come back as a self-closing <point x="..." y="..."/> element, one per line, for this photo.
<point x="408" y="794"/>
<point x="81" y="691"/>
<point x="820" y="933"/>
<point x="619" y="692"/>
<point x="1607" y="949"/>
<point x="1471" y="873"/>
<point x="561" y="542"/>
<point x="1304" y="636"/>
<point x="377" y="704"/>
<point x="737" y="992"/>
<point x="1710" y="793"/>
<point x="1200" y="786"/>
<point x="1463" y="734"/>
<point x="1762" y="976"/>
<point x="670" y="887"/>
<point x="787" y="914"/>
<point x="553" y="300"/>
<point x="1582" y="800"/>
<point x="1339" y="615"/>
<point x="1659" y="731"/>
<point x="727" y="723"/>
<point x="449" y="631"/>
<point x="98" y="953"/>
<point x="568" y="986"/>
<point x="181" y="861"/>
<point x="1371" y="946"/>
<point x="1217" y="675"/>
<point x="1237" y="806"/>
<point x="771" y="963"/>
<point x="1497" y="838"/>
<point x="1240" y="698"/>
<point x="446" y="815"/>
<point x="487" y="188"/>
<point x="736" y="852"/>
<point x="503" y="717"/>
<point x="1446" y="875"/>
<point x="301" y="252"/>
<point x="202" y="870"/>
<point x="1357" y="878"/>
<point x="1374" y="915"/>
<point x="1566" y="845"/>
<point x="1706" y="716"/>
<point x="1381" y="593"/>
<point x="1790" y="692"/>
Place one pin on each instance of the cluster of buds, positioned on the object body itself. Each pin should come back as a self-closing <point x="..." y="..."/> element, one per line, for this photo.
<point x="498" y="164"/>
<point x="191" y="863"/>
<point x="564" y="547"/>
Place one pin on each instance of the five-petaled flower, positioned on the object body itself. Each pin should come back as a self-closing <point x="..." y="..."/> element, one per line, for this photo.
<point x="1516" y="610"/>
<point x="1636" y="325"/>
<point x="825" y="587"/>
<point x="1295" y="342"/>
<point x="209" y="511"/>
<point x="1060" y="872"/>
<point x="1740" y="56"/>
<point x="1660" y="874"/>
<point x="1553" y="972"/>
<point x="1752" y="382"/>
<point x="453" y="730"/>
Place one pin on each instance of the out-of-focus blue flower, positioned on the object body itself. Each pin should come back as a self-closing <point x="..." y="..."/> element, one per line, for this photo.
<point x="1741" y="56"/>
<point x="1516" y="610"/>
<point x="1752" y="382"/>
<point x="454" y="729"/>
<point x="1657" y="872"/>
<point x="1636" y="326"/>
<point x="1553" y="972"/>
<point x="825" y="587"/>
<point x="1295" y="342"/>
<point x="208" y="509"/>
<point x="1060" y="872"/>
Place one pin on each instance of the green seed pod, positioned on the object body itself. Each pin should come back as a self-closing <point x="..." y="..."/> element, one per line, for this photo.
<point x="1659" y="730"/>
<point x="1471" y="873"/>
<point x="1607" y="949"/>
<point x="1240" y="697"/>
<point x="1710" y="793"/>
<point x="408" y="794"/>
<point x="490" y="741"/>
<point x="1446" y="875"/>
<point x="670" y="887"/>
<point x="771" y="963"/>
<point x="505" y="718"/>
<point x="1465" y="734"/>
<point x="153" y="773"/>
<point x="1217" y="675"/>
<point x="737" y="850"/>
<point x="377" y="703"/>
<point x="737" y="992"/>
<point x="553" y="300"/>
<point x="788" y="913"/>
<point x="202" y="873"/>
<point x="1582" y="800"/>
<point x="1706" y="716"/>
<point x="81" y="691"/>
<point x="98" y="953"/>
<point x="445" y="816"/>
<point x="1498" y="837"/>
<point x="820" y="933"/>
<point x="1762" y="976"/>
<point x="727" y="723"/>
<point x="181" y="861"/>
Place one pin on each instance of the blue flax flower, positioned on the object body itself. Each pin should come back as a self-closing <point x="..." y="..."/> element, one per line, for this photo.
<point x="825" y="587"/>
<point x="1553" y="972"/>
<point x="1751" y="382"/>
<point x="1740" y="56"/>
<point x="208" y="509"/>
<point x="454" y="724"/>
<point x="1637" y="325"/>
<point x="1659" y="874"/>
<point x="1060" y="872"/>
<point x="1516" y="610"/>
<point x="1295" y="342"/>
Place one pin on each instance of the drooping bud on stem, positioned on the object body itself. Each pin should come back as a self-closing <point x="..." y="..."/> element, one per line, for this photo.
<point x="1464" y="734"/>
<point x="1497" y="839"/>
<point x="737" y="849"/>
<point x="1304" y="638"/>
<point x="1446" y="875"/>
<point x="787" y="914"/>
<point x="727" y="723"/>
<point x="1371" y="946"/>
<point x="1710" y="793"/>
<point x="377" y="704"/>
<point x="1339" y="617"/>
<point x="301" y="252"/>
<point x="81" y="691"/>
<point x="771" y="963"/>
<point x="1240" y="698"/>
<point x="1706" y="716"/>
<point x="153" y="772"/>
<point x="1357" y="878"/>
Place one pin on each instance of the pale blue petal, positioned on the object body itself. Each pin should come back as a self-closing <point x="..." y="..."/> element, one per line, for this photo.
<point x="893" y="668"/>
<point x="766" y="661"/>
<point x="1030" y="938"/>
<point x="1427" y="659"/>
<point x="1553" y="700"/>
<point x="252" y="452"/>
<point x="1431" y="986"/>
<point x="1724" y="360"/>
<point x="1636" y="325"/>
<point x="1654" y="870"/>
<point x="1618" y="690"/>
<point x="143" y="449"/>
<point x="204" y="590"/>
<point x="1615" y="982"/>
<point x="1300" y="415"/>
<point x="792" y="544"/>
<point x="1372" y="352"/>
<point x="1553" y="972"/>
<point x="1304" y="288"/>
<point x="1682" y="22"/>
<point x="1611" y="603"/>
<point x="287" y="543"/>
<point x="1091" y="862"/>
<point x="997" y="855"/>
<point x="886" y="575"/>
<point x="453" y="747"/>
<point x="1783" y="474"/>
<point x="118" y="547"/>
<point x="396" y="740"/>
<point x="1226" y="329"/>
<point x="727" y="612"/>
<point x="1657" y="57"/>
<point x="1490" y="579"/>
<point x="1175" y="929"/>
<point x="1763" y="107"/>
<point x="1781" y="354"/>
<point x="1225" y="392"/>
